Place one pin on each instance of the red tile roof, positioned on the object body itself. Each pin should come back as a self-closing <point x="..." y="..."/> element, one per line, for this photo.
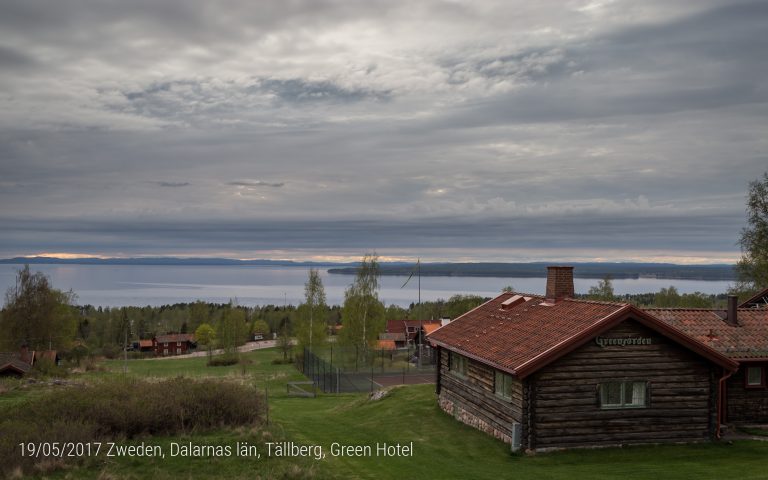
<point x="431" y="327"/>
<point x="527" y="335"/>
<point x="748" y="340"/>
<point x="401" y="326"/>
<point x="386" y="344"/>
<point x="175" y="337"/>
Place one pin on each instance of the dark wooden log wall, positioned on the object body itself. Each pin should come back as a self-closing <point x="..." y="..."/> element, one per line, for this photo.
<point x="475" y="394"/>
<point x="565" y="409"/>
<point x="745" y="405"/>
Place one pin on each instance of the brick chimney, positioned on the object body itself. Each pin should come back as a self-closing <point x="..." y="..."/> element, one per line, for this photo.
<point x="732" y="314"/>
<point x="559" y="283"/>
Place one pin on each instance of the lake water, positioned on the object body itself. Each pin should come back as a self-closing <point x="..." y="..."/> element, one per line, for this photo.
<point x="139" y="285"/>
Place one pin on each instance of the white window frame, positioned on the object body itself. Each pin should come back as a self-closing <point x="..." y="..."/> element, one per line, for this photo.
<point x="632" y="394"/>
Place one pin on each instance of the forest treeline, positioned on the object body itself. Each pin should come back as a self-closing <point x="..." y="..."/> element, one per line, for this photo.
<point x="38" y="315"/>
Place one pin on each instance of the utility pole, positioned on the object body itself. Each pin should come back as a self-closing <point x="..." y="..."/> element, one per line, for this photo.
<point x="125" y="345"/>
<point x="421" y="321"/>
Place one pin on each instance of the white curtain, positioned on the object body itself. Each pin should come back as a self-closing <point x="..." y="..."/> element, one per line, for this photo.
<point x="638" y="393"/>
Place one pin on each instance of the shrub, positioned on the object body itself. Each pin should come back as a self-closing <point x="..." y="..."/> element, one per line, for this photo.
<point x="223" y="360"/>
<point x="110" y="351"/>
<point x="45" y="367"/>
<point x="124" y="409"/>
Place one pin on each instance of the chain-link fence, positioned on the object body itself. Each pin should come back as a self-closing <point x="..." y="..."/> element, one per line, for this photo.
<point x="336" y="369"/>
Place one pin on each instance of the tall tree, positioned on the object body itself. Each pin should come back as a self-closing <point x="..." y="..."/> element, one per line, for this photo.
<point x="602" y="291"/>
<point x="232" y="329"/>
<point x="36" y="314"/>
<point x="206" y="335"/>
<point x="752" y="268"/>
<point x="284" y="342"/>
<point x="667" y="297"/>
<point x="311" y="328"/>
<point x="459" y="304"/>
<point x="199" y="313"/>
<point x="363" y="314"/>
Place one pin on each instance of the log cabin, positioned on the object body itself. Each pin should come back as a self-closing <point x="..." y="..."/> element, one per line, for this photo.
<point x="551" y="372"/>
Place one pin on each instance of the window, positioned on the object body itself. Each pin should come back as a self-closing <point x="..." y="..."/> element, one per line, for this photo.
<point x="178" y="344"/>
<point x="755" y="377"/>
<point x="623" y="395"/>
<point x="458" y="364"/>
<point x="503" y="385"/>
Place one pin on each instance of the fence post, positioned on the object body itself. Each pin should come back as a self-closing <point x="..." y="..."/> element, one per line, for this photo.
<point x="266" y="400"/>
<point x="337" y="379"/>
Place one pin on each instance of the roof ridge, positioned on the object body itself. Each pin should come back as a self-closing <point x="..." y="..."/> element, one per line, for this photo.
<point x="597" y="302"/>
<point x="524" y="294"/>
<point x="695" y="309"/>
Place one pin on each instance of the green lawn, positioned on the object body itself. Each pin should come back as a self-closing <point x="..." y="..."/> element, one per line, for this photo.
<point x="443" y="448"/>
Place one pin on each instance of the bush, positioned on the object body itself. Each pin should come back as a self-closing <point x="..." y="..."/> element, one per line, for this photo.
<point x="111" y="352"/>
<point x="124" y="409"/>
<point x="45" y="367"/>
<point x="223" y="360"/>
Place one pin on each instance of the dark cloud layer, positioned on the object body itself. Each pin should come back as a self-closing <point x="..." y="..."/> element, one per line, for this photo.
<point x="608" y="129"/>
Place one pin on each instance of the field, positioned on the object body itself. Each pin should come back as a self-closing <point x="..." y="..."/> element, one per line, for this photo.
<point x="443" y="448"/>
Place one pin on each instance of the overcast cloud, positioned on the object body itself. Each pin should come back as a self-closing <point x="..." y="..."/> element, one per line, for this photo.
<point x="489" y="130"/>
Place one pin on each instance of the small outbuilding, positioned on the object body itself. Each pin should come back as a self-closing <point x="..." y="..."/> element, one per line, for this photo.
<point x="17" y="364"/>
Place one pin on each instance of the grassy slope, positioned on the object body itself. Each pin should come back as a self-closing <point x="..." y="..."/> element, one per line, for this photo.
<point x="444" y="448"/>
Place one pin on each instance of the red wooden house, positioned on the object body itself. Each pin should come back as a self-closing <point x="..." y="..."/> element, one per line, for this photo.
<point x="173" y="344"/>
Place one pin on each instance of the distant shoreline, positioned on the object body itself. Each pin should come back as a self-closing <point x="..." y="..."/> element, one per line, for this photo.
<point x="591" y="270"/>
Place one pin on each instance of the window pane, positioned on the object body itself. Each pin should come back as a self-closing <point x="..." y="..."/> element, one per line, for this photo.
<point x="638" y="394"/>
<point x="611" y="393"/>
<point x="503" y="385"/>
<point x="754" y="376"/>
<point x="627" y="392"/>
<point x="458" y="364"/>
<point x="507" y="386"/>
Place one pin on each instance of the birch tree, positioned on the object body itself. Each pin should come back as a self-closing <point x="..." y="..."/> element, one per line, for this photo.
<point x="311" y="328"/>
<point x="363" y="314"/>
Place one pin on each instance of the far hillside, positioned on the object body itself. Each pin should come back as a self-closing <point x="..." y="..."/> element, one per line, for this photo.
<point x="539" y="269"/>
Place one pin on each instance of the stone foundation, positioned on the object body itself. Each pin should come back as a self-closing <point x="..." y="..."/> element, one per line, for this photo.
<point x="455" y="410"/>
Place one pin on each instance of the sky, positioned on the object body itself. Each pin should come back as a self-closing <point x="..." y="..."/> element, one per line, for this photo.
<point x="590" y="130"/>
